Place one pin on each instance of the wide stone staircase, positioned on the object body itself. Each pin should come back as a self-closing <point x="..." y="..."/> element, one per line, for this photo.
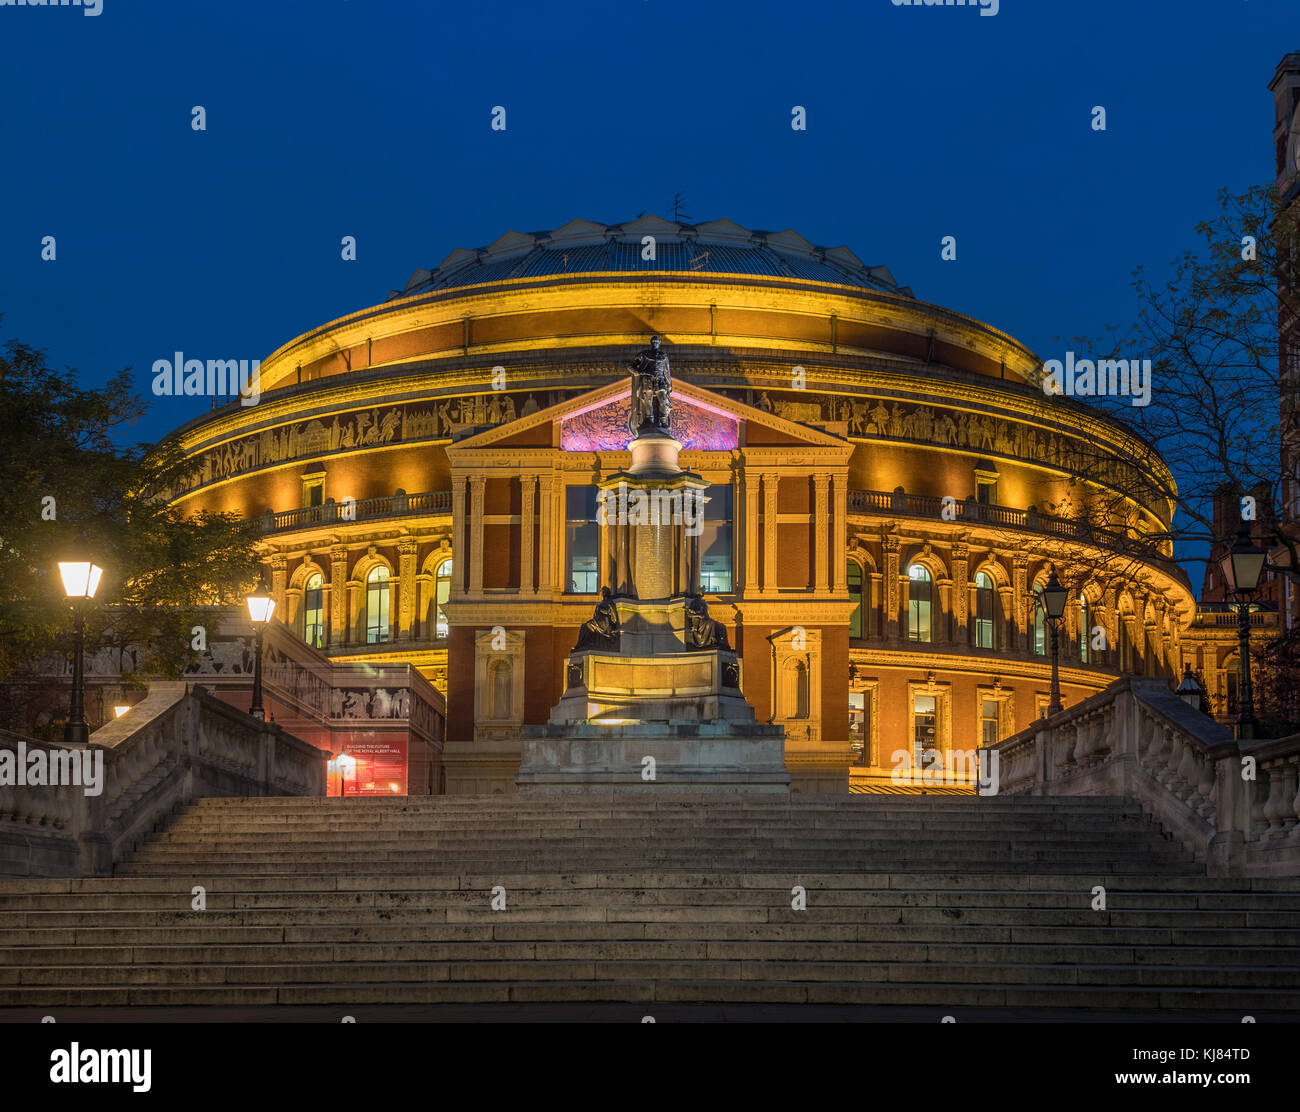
<point x="939" y="901"/>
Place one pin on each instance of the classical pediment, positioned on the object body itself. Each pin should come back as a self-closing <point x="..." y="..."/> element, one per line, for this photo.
<point x="597" y="421"/>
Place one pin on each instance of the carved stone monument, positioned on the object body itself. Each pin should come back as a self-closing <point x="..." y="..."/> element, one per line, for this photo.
<point x="653" y="694"/>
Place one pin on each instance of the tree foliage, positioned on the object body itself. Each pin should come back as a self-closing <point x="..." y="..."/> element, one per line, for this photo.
<point x="69" y="490"/>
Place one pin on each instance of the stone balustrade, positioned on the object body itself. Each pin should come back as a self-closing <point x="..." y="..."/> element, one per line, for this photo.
<point x="1236" y="805"/>
<point x="177" y="744"/>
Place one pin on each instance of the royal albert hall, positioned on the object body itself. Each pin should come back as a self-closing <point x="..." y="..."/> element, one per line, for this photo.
<point x="888" y="490"/>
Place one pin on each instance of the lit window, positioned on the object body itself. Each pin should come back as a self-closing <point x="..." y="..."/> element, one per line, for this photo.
<point x="920" y="590"/>
<point x="377" y="605"/>
<point x="582" y="540"/>
<point x="854" y="575"/>
<point x="313" y="611"/>
<point x="925" y="715"/>
<point x="715" y="542"/>
<point x="988" y="722"/>
<point x="858" y="726"/>
<point x="442" y="592"/>
<point x="1085" y="631"/>
<point x="984" y="603"/>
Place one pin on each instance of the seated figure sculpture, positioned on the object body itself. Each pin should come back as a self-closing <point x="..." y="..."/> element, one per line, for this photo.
<point x="600" y="631"/>
<point x="704" y="632"/>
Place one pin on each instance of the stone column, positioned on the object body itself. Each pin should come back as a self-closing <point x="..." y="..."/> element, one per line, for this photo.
<point x="546" y="532"/>
<point x="338" y="633"/>
<point x="475" y="538"/>
<point x="961" y="592"/>
<point x="946" y="632"/>
<point x="821" y="532"/>
<point x="750" y="482"/>
<point x="839" y="553"/>
<point x="890" y="545"/>
<point x="1020" y="600"/>
<point x="1110" y="603"/>
<point x="770" y="481"/>
<point x="527" y="484"/>
<point x="278" y="569"/>
<point x="407" y="549"/>
<point x="459" y="546"/>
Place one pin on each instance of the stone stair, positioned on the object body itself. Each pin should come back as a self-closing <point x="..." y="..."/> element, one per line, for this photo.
<point x="941" y="901"/>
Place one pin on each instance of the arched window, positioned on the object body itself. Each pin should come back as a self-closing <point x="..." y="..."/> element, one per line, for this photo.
<point x="377" y="605"/>
<point x="1085" y="631"/>
<point x="441" y="593"/>
<point x="313" y="611"/>
<point x="857" y="623"/>
<point x="985" y="600"/>
<point x="919" y="603"/>
<point x="1038" y="643"/>
<point x="802" y="701"/>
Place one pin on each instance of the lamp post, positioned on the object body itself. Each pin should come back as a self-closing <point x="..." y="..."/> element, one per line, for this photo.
<point x="1189" y="690"/>
<point x="260" y="609"/>
<point x="1242" y="565"/>
<point x="1054" y="598"/>
<point x="80" y="581"/>
<point x="345" y="765"/>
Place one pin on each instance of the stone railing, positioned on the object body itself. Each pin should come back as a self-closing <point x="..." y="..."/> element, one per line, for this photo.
<point x="899" y="502"/>
<point x="365" y="509"/>
<point x="177" y="744"/>
<point x="1236" y="805"/>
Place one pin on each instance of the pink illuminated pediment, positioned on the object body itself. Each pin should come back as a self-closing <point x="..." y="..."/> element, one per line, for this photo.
<point x="603" y="427"/>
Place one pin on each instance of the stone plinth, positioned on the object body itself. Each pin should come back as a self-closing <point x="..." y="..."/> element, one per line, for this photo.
<point x="687" y="756"/>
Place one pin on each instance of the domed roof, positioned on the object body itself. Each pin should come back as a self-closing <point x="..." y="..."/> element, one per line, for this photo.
<point x="714" y="247"/>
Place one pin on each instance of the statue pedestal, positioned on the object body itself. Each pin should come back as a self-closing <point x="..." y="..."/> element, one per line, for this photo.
<point x="653" y="705"/>
<point x="684" y="756"/>
<point x="654" y="696"/>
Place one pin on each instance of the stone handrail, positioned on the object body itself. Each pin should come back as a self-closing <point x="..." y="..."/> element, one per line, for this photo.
<point x="1234" y="804"/>
<point x="179" y="743"/>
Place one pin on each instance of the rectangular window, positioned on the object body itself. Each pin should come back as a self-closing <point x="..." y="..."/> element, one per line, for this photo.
<point x="715" y="542"/>
<point x="983" y="617"/>
<point x="925" y="714"/>
<point x="581" y="541"/>
<point x="858" y="726"/>
<point x="314" y="612"/>
<point x="988" y="722"/>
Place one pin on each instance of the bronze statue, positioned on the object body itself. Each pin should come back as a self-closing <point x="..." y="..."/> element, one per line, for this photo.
<point x="705" y="633"/>
<point x="600" y="631"/>
<point x="652" y="388"/>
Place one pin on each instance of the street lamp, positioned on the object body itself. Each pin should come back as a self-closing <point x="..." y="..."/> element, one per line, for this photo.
<point x="1054" y="598"/>
<point x="345" y="765"/>
<point x="1189" y="690"/>
<point x="1242" y="565"/>
<point x="80" y="581"/>
<point x="260" y="609"/>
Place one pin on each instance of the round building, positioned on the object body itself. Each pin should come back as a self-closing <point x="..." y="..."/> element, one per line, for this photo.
<point x="888" y="490"/>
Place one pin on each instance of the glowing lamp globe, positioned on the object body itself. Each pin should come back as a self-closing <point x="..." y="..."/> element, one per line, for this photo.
<point x="260" y="609"/>
<point x="80" y="578"/>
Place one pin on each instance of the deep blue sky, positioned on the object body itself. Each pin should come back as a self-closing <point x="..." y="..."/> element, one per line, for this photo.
<point x="371" y="118"/>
